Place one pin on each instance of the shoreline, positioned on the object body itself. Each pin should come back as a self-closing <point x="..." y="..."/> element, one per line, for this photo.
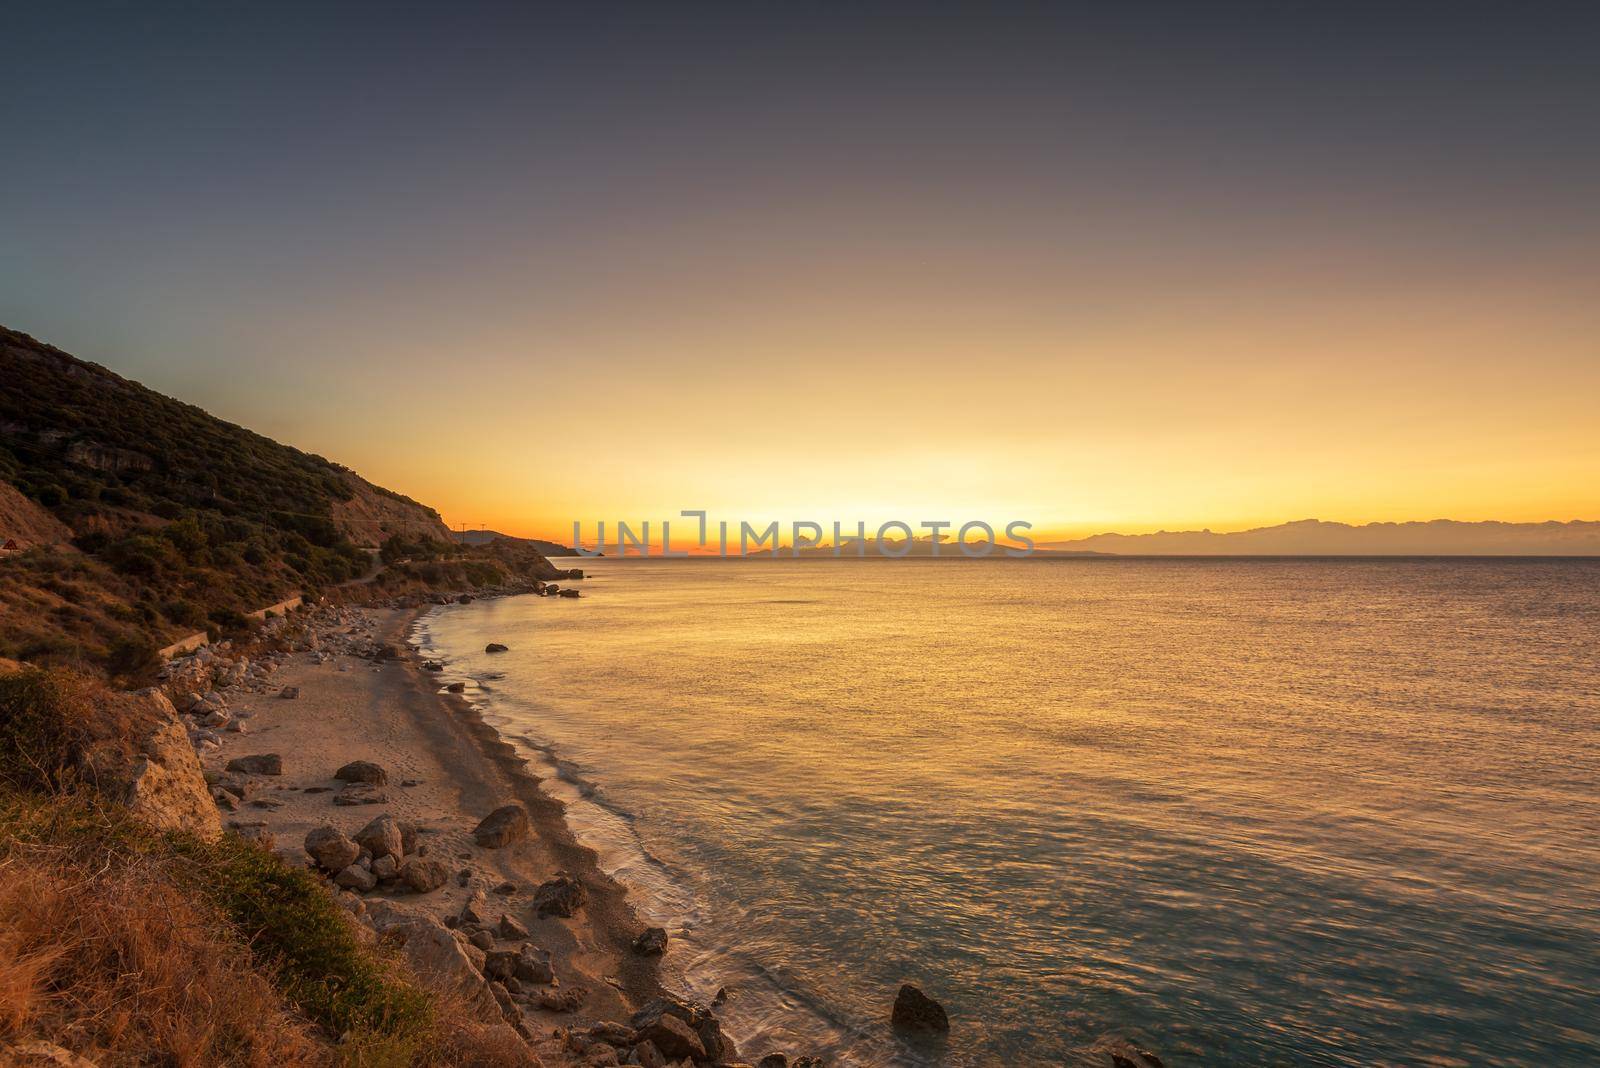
<point x="701" y="967"/>
<point x="613" y="915"/>
<point x="446" y="770"/>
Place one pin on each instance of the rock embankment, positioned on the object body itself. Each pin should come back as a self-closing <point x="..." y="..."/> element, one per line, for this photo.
<point x="159" y="779"/>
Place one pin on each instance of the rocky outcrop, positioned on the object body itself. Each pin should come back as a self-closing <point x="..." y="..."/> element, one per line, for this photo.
<point x="372" y="515"/>
<point x="160" y="779"/>
<point x="107" y="457"/>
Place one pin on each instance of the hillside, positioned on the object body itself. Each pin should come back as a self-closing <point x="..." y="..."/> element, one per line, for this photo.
<point x="490" y="537"/>
<point x="1314" y="537"/>
<point x="145" y="518"/>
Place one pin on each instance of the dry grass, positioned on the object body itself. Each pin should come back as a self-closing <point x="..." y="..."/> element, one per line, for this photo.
<point x="460" y="1037"/>
<point x="125" y="968"/>
<point x="134" y="947"/>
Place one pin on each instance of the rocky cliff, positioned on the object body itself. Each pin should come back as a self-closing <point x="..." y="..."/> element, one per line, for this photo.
<point x="148" y="519"/>
<point x="372" y="515"/>
<point x="154" y="771"/>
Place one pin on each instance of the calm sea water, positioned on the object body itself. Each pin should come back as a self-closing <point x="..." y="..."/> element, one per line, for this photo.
<point x="1238" y="812"/>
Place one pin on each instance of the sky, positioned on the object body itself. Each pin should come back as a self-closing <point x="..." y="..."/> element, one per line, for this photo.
<point x="1096" y="267"/>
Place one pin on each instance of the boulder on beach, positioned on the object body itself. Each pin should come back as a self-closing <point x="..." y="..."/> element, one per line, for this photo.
<point x="257" y="764"/>
<point x="500" y="963"/>
<point x="381" y="837"/>
<point x="651" y="942"/>
<point x="561" y="896"/>
<point x="916" y="1012"/>
<point x="533" y="965"/>
<point x="619" y="1035"/>
<point x="566" y="999"/>
<point x="361" y="793"/>
<point x="474" y="911"/>
<point x="696" y="1018"/>
<point x="422" y="875"/>
<point x="362" y="771"/>
<point x="673" y="1037"/>
<point x="355" y="877"/>
<point x="496" y="647"/>
<point x="506" y="824"/>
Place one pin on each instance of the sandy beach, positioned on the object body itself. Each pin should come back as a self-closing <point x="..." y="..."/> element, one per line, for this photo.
<point x="445" y="770"/>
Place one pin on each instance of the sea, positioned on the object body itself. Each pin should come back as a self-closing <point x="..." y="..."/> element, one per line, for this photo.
<point x="1229" y="811"/>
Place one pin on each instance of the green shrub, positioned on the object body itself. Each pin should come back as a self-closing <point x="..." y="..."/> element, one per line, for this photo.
<point x="44" y="725"/>
<point x="133" y="656"/>
<point x="299" y="931"/>
<point x="295" y="930"/>
<point x="184" y="613"/>
<point x="482" y="574"/>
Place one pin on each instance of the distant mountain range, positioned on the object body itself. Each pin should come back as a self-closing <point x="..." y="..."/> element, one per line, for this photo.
<point x="1313" y="537"/>
<point x="484" y="537"/>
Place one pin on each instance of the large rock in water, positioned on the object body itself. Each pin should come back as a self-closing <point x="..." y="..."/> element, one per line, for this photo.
<point x="160" y="781"/>
<point x="506" y="824"/>
<point x="916" y="1012"/>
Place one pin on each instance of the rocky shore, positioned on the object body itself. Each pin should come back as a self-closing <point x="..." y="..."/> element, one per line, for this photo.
<point x="330" y="743"/>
